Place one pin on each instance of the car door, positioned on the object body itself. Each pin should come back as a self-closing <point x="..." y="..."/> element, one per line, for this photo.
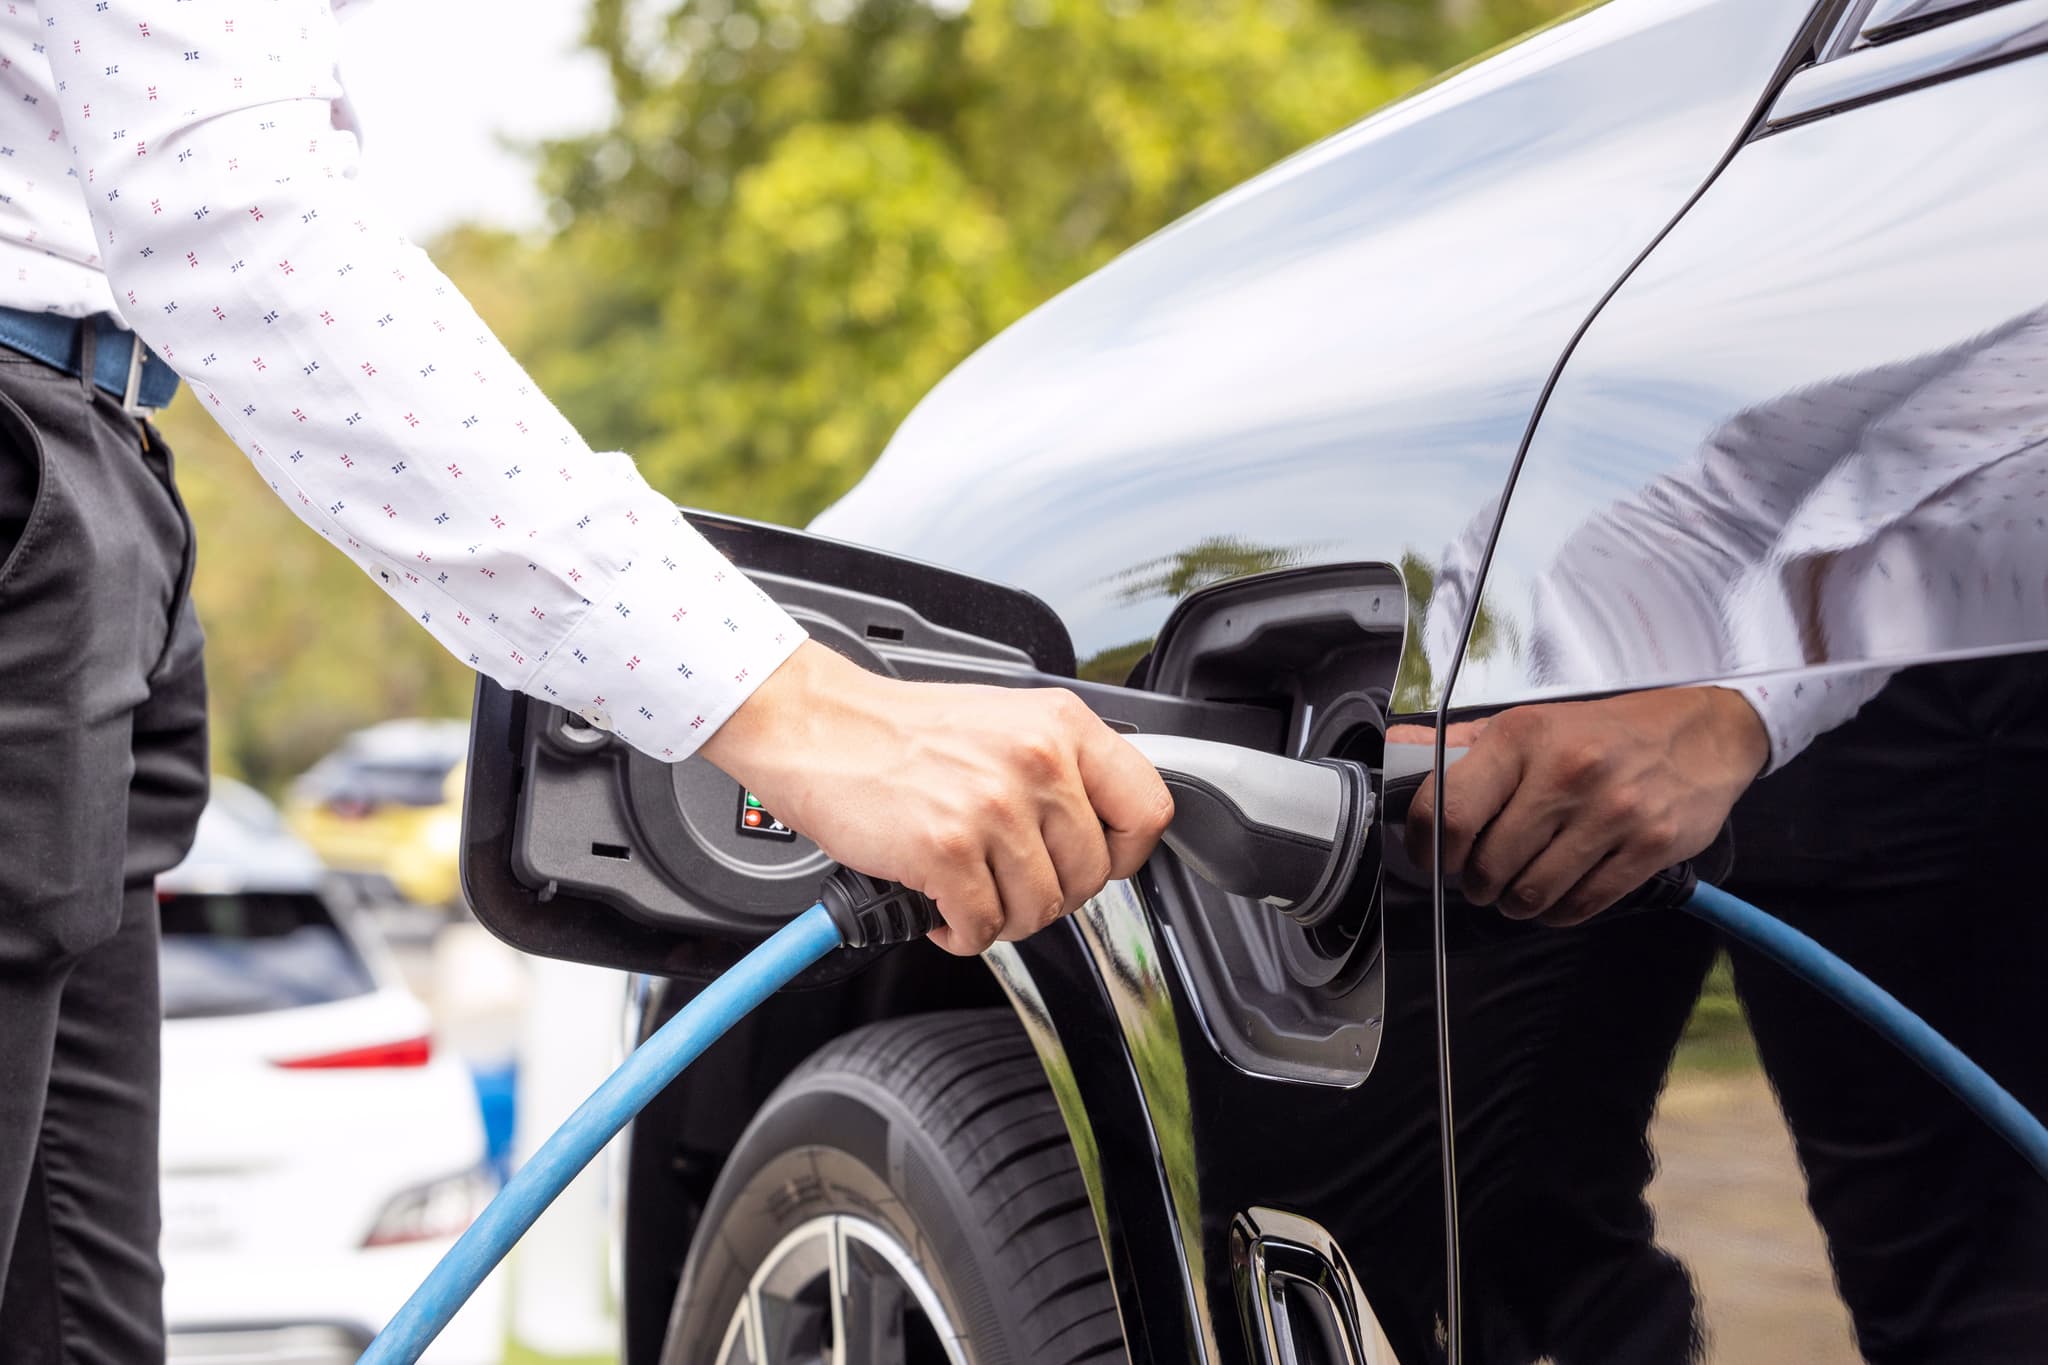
<point x="1799" y="453"/>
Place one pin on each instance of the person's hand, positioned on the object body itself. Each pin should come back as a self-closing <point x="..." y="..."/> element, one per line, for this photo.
<point x="1008" y="807"/>
<point x="1557" y="811"/>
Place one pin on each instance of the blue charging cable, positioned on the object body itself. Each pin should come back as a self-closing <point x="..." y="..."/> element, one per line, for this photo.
<point x="569" y="1148"/>
<point x="1881" y="1010"/>
<point x="857" y="911"/>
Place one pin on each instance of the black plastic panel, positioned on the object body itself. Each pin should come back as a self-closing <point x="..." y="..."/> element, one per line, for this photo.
<point x="689" y="866"/>
<point x="577" y="846"/>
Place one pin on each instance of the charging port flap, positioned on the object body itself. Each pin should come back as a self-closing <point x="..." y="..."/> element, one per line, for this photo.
<point x="1319" y="646"/>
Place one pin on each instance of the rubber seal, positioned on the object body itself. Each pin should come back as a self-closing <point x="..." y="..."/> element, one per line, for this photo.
<point x="1354" y="824"/>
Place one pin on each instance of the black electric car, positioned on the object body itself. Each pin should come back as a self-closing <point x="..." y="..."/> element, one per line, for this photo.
<point x="1686" y="342"/>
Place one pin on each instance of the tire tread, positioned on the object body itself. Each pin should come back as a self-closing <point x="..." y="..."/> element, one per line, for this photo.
<point x="974" y="1084"/>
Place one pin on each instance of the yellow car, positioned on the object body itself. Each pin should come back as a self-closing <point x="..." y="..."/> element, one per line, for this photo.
<point x="389" y="800"/>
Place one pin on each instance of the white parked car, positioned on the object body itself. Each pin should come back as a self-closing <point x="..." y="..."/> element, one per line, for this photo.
<point x="319" y="1154"/>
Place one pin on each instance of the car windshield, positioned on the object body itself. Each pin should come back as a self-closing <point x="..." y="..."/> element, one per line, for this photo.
<point x="384" y="784"/>
<point x="250" y="952"/>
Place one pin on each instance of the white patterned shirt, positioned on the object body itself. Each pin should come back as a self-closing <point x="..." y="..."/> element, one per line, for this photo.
<point x="189" y="165"/>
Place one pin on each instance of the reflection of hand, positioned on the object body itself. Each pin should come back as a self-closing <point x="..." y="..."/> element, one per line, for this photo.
<point x="1560" y="810"/>
<point x="1008" y="807"/>
<point x="1459" y="736"/>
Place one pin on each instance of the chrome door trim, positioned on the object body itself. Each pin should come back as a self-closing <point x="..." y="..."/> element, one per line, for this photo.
<point x="1269" y="1248"/>
<point x="1009" y="969"/>
<point x="1889" y="19"/>
<point x="1962" y="45"/>
<point x="1126" y="950"/>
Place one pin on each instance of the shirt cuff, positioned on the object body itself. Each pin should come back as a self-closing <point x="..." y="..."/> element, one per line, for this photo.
<point x="673" y="644"/>
<point x="1796" y="711"/>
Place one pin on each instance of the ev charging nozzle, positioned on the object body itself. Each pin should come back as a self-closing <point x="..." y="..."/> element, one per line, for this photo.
<point x="1285" y="831"/>
<point x="1293" y="832"/>
<point x="1288" y="832"/>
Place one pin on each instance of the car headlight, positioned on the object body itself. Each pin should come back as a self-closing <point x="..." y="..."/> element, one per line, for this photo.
<point x="432" y="1212"/>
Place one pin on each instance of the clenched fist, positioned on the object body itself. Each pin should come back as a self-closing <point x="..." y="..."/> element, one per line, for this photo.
<point x="1008" y="807"/>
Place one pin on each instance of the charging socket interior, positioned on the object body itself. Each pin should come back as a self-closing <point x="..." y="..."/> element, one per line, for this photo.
<point x="1321" y="646"/>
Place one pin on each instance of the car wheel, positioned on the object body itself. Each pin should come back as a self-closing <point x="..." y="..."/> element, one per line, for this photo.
<point x="907" y="1197"/>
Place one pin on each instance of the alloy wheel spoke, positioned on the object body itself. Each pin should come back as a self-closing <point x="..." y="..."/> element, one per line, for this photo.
<point x="868" y="1305"/>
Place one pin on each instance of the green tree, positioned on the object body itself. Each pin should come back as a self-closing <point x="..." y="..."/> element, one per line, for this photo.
<point x="805" y="214"/>
<point x="1414" y="681"/>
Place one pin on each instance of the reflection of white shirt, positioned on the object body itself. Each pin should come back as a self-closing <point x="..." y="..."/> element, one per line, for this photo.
<point x="1884" y="517"/>
<point x="190" y="165"/>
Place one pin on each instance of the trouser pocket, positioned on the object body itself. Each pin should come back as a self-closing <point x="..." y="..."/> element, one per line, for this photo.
<point x="85" y="618"/>
<point x="21" y="483"/>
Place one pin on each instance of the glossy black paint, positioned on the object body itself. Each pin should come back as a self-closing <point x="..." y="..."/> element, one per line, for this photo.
<point x="1822" y="391"/>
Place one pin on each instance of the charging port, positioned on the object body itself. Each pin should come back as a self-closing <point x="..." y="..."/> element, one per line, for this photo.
<point x="1320" y="646"/>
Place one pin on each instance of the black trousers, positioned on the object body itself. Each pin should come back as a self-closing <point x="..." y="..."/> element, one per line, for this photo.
<point x="1910" y="842"/>
<point x="102" y="776"/>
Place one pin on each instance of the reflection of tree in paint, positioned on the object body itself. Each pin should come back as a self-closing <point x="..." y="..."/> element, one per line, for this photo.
<point x="1214" y="560"/>
<point x="1113" y="665"/>
<point x="1222" y="558"/>
<point x="1414" y="682"/>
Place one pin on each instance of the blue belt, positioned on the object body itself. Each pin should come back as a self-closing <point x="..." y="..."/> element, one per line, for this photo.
<point x="121" y="364"/>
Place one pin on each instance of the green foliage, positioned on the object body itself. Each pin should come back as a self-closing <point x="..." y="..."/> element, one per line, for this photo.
<point x="1414" y="681"/>
<point x="1413" y="677"/>
<point x="1717" y="1036"/>
<point x="828" y="207"/>
<point x="1173" y="577"/>
<point x="1215" y="560"/>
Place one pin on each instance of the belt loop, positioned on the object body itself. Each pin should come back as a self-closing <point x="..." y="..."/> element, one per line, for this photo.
<point x="88" y="354"/>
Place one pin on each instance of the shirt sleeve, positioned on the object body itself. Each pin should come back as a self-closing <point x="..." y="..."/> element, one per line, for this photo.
<point x="211" y="140"/>
<point x="1797" y="711"/>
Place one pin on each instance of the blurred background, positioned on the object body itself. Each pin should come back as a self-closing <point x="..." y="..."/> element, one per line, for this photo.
<point x="738" y="239"/>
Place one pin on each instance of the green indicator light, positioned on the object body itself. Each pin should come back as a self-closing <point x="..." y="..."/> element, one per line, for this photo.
<point x="754" y="801"/>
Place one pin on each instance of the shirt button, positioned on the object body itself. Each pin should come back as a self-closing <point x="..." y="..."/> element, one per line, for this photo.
<point x="597" y="716"/>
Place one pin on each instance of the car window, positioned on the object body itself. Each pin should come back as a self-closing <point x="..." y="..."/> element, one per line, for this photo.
<point x="252" y="952"/>
<point x="1893" y="47"/>
<point x="1884" y="21"/>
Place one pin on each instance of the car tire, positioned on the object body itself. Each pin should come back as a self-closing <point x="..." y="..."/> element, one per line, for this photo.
<point x="929" y="1149"/>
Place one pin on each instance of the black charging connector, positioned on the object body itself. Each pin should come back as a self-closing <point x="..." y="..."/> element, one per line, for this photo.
<point x="871" y="912"/>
